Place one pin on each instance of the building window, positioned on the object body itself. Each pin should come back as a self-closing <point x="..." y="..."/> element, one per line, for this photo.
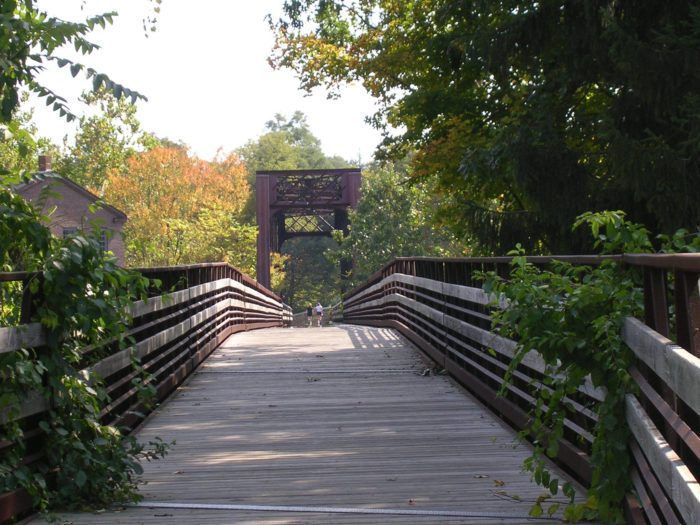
<point x="102" y="237"/>
<point x="104" y="240"/>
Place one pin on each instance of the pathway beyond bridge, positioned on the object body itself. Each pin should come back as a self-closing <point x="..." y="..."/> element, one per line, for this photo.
<point x="327" y="419"/>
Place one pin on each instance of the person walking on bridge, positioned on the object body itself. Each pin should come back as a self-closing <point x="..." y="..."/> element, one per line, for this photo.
<point x="309" y="315"/>
<point x="319" y="313"/>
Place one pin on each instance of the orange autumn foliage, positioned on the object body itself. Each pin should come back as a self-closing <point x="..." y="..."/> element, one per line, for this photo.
<point x="173" y="199"/>
<point x="177" y="185"/>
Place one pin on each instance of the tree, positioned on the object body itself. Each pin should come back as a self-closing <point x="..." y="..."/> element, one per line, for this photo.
<point x="287" y="144"/>
<point x="526" y="113"/>
<point x="309" y="276"/>
<point x="19" y="149"/>
<point x="34" y="38"/>
<point x="182" y="209"/>
<point x="104" y="141"/>
<point x="394" y="218"/>
<point x="296" y="131"/>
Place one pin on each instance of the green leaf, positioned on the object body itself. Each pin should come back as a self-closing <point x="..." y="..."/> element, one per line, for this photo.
<point x="553" y="508"/>
<point x="536" y="510"/>
<point x="80" y="478"/>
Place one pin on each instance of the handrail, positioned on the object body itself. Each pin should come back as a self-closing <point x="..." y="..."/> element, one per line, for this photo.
<point x="686" y="262"/>
<point x="172" y="277"/>
<point x="495" y="263"/>
<point x="439" y="306"/>
<point x="172" y="334"/>
<point x="208" y="271"/>
<point x="16" y="276"/>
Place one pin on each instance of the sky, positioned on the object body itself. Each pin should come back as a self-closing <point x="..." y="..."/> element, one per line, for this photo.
<point x="206" y="76"/>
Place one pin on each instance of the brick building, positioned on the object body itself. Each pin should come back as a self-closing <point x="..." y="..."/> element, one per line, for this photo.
<point x="68" y="209"/>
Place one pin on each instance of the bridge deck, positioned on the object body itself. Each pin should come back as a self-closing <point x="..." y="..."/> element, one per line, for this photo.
<point x="327" y="417"/>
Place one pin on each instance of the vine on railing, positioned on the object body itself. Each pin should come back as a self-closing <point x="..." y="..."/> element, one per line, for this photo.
<point x="572" y="316"/>
<point x="80" y="297"/>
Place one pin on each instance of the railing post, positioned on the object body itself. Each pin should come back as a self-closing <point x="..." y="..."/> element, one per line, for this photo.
<point x="687" y="304"/>
<point x="656" y="315"/>
<point x="655" y="300"/>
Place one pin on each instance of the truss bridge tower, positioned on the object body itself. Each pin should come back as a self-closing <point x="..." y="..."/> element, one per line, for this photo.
<point x="301" y="203"/>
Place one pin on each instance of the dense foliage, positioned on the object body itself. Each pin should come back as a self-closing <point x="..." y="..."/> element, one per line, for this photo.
<point x="527" y="113"/>
<point x="182" y="209"/>
<point x="81" y="300"/>
<point x="309" y="276"/>
<point x="394" y="218"/>
<point x="572" y="316"/>
<point x="80" y="297"/>
<point x="104" y="141"/>
<point x="18" y="147"/>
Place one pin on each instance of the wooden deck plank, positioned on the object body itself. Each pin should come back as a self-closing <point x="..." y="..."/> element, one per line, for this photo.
<point x="198" y="517"/>
<point x="339" y="416"/>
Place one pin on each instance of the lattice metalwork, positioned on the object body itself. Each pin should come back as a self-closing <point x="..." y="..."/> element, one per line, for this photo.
<point x="303" y="189"/>
<point x="301" y="223"/>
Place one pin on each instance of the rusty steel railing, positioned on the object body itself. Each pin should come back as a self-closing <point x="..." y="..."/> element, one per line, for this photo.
<point x="439" y="306"/>
<point x="172" y="334"/>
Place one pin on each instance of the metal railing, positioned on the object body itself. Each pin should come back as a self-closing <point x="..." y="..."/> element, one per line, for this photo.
<point x="172" y="334"/>
<point x="439" y="306"/>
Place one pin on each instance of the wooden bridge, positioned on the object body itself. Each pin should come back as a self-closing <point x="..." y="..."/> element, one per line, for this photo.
<point x="327" y="418"/>
<point x="394" y="418"/>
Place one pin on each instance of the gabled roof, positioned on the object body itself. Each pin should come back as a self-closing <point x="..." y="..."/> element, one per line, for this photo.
<point x="55" y="177"/>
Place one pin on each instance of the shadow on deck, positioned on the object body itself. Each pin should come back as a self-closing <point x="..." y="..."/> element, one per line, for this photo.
<point x="326" y="419"/>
